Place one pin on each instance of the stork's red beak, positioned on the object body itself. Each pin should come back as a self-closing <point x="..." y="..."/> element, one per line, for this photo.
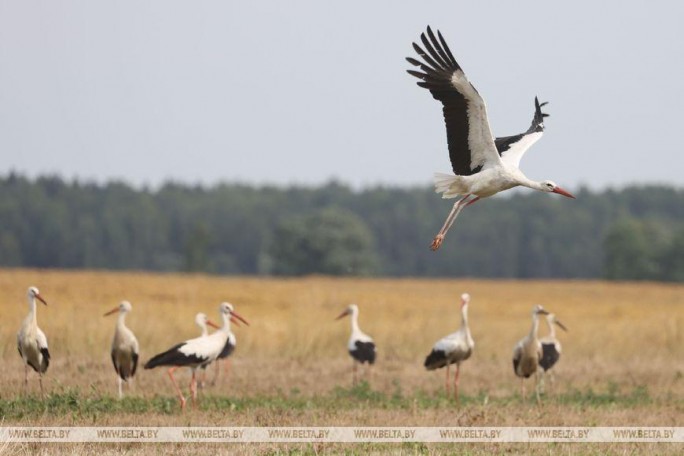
<point x="115" y="309"/>
<point x="560" y="191"/>
<point x="212" y="324"/>
<point x="343" y="314"/>
<point x="234" y="320"/>
<point x="40" y="298"/>
<point x="237" y="315"/>
<point x="561" y="325"/>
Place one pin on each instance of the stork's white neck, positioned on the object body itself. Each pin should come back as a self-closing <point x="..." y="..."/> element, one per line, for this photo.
<point x="464" y="315"/>
<point x="529" y="183"/>
<point x="552" y="329"/>
<point x="32" y="307"/>
<point x="355" y="321"/>
<point x="121" y="320"/>
<point x="535" y="325"/>
<point x="226" y="323"/>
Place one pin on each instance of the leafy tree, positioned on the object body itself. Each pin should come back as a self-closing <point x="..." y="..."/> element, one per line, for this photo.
<point x="631" y="251"/>
<point x="329" y="241"/>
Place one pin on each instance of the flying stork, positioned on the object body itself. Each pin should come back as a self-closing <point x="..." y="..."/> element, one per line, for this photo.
<point x="31" y="341"/>
<point x="482" y="165"/>
<point x="551" y="346"/>
<point x="124" y="346"/>
<point x="196" y="352"/>
<point x="528" y="353"/>
<point x="361" y="346"/>
<point x="453" y="349"/>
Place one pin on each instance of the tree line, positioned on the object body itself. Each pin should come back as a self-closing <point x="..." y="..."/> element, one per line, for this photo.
<point x="632" y="233"/>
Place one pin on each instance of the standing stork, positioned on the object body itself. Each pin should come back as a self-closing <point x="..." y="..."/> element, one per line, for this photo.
<point x="453" y="349"/>
<point x="228" y="350"/>
<point x="31" y="341"/>
<point x="361" y="346"/>
<point x="482" y="165"/>
<point x="124" y="346"/>
<point x="551" y="346"/>
<point x="528" y="352"/>
<point x="196" y="352"/>
<point x="203" y="321"/>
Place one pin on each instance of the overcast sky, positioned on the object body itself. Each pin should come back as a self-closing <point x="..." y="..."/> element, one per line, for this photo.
<point x="305" y="91"/>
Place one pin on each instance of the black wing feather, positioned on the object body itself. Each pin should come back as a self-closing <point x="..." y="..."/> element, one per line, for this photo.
<point x="135" y="363"/>
<point x="550" y="356"/>
<point x="46" y="360"/>
<point x="435" y="360"/>
<point x="505" y="142"/>
<point x="438" y="69"/>
<point x="173" y="357"/>
<point x="364" y="352"/>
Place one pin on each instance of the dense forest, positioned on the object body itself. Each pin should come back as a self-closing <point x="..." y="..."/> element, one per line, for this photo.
<point x="632" y="233"/>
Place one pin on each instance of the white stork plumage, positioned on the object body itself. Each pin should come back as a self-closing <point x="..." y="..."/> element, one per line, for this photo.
<point x="31" y="341"/>
<point x="482" y="165"/>
<point x="124" y="346"/>
<point x="528" y="352"/>
<point x="453" y="349"/>
<point x="202" y="321"/>
<point x="361" y="346"/>
<point x="196" y="352"/>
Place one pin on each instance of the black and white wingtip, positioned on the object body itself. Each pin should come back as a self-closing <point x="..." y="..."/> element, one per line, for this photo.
<point x="439" y="61"/>
<point x="538" y="120"/>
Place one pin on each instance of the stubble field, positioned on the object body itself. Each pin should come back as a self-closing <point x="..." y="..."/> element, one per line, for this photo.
<point x="622" y="364"/>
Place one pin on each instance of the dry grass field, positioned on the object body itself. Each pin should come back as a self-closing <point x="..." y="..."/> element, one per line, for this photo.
<point x="622" y="365"/>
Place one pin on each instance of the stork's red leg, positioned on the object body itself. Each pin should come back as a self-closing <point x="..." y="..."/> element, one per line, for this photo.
<point x="447" y="381"/>
<point x="175" y="385"/>
<point x="458" y="371"/>
<point x="458" y="207"/>
<point x="193" y="388"/>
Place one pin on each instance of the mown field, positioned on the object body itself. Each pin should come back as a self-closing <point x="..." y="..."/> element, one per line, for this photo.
<point x="623" y="360"/>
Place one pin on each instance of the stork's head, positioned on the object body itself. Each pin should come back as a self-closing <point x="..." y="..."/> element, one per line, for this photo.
<point x="465" y="299"/>
<point x="552" y="187"/>
<point x="350" y="310"/>
<point x="203" y="321"/>
<point x="227" y="309"/>
<point x="123" y="307"/>
<point x="539" y="310"/>
<point x="551" y="318"/>
<point x="33" y="293"/>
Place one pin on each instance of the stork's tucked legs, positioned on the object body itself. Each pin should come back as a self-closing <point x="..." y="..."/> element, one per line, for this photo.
<point x="175" y="385"/>
<point x="458" y="207"/>
<point x="456" y="375"/>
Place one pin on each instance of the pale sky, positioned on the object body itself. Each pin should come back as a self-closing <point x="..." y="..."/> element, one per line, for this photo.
<point x="285" y="92"/>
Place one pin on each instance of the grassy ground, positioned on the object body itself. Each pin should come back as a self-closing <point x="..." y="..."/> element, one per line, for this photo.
<point x="622" y="365"/>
